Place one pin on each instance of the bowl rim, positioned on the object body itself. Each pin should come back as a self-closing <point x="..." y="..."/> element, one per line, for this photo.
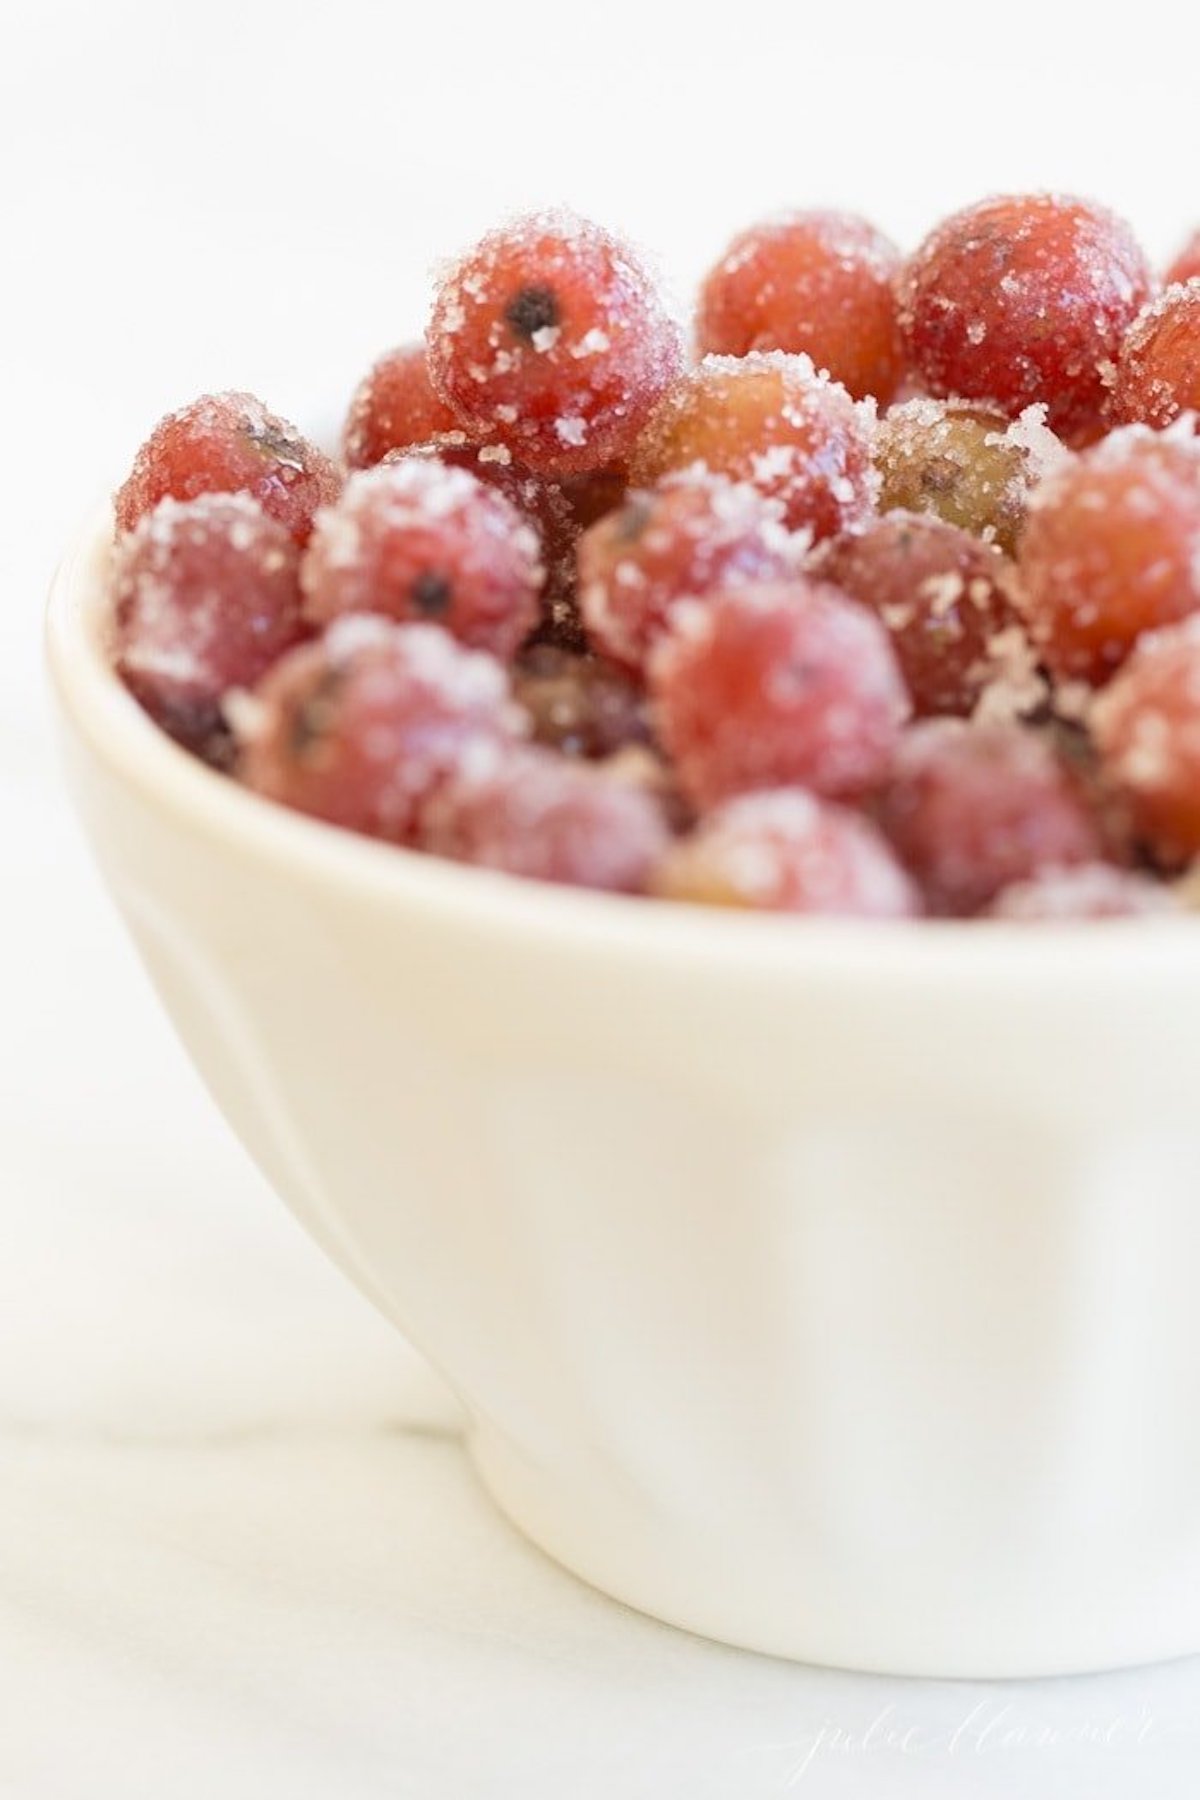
<point x="124" y="740"/>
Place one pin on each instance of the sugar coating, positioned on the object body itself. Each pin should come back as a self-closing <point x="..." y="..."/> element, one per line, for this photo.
<point x="205" y="597"/>
<point x="787" y="851"/>
<point x="694" y="532"/>
<point x="416" y="538"/>
<point x="777" y="685"/>
<point x="551" y="334"/>
<point x="973" y="808"/>
<point x="229" y="443"/>
<point x="670" y="692"/>
<point x="943" y="595"/>
<point x="1030" y="434"/>
<point x="773" y="420"/>
<point x="1112" y="549"/>
<point x="1024" y="298"/>
<point x="1088" y="891"/>
<point x="544" y="502"/>
<point x="1011" y="686"/>
<point x="817" y="282"/>
<point x="964" y="464"/>
<point x="1146" y="724"/>
<point x="529" y="812"/>
<point x="1157" y="377"/>
<point x="361" y="727"/>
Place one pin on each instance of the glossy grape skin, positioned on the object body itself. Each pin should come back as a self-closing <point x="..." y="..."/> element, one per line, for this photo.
<point x="559" y="508"/>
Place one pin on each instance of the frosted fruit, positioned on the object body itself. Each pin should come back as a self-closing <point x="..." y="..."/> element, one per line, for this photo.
<point x="972" y="809"/>
<point x="693" y="533"/>
<point x="785" y="684"/>
<point x="787" y="851"/>
<point x="361" y="727"/>
<point x="230" y="443"/>
<point x="1111" y="550"/>
<point x="1025" y="298"/>
<point x="416" y="540"/>
<point x="551" y="336"/>
<point x="820" y="282"/>
<point x="944" y="597"/>
<point x="771" y="420"/>
<point x="529" y="812"/>
<point x="393" y="406"/>
<point x="205" y="597"/>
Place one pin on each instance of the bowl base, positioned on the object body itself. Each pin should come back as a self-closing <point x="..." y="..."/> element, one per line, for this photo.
<point x="650" y="1562"/>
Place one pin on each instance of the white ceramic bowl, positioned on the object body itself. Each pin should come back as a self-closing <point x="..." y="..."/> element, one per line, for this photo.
<point x="831" y="1289"/>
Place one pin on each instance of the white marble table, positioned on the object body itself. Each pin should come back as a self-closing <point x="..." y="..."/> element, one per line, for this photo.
<point x="241" y="1551"/>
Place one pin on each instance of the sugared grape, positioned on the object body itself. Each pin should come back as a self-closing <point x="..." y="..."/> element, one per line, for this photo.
<point x="550" y="335"/>
<point x="820" y="282"/>
<point x="965" y="464"/>
<point x="786" y="851"/>
<point x="1025" y="298"/>
<point x="417" y="540"/>
<point x="771" y="420"/>
<point x="943" y="595"/>
<point x="394" y="406"/>
<point x="779" y="685"/>
<point x="544" y="502"/>
<point x="1147" y="726"/>
<point x="362" y="726"/>
<point x="529" y="812"/>
<point x="1087" y="891"/>
<point x="205" y="596"/>
<point x="1158" y="373"/>
<point x="1112" y="549"/>
<point x="973" y="808"/>
<point x="226" y="444"/>
<point x="693" y="533"/>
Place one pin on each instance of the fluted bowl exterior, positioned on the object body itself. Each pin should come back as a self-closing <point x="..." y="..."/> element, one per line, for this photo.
<point x="826" y="1288"/>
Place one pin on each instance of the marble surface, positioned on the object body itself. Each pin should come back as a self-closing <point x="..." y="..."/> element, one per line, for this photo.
<point x="241" y="1552"/>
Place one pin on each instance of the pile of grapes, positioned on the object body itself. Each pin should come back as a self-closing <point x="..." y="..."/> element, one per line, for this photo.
<point x="885" y="603"/>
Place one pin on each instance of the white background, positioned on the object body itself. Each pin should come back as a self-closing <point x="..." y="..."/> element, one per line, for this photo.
<point x="239" y="1552"/>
